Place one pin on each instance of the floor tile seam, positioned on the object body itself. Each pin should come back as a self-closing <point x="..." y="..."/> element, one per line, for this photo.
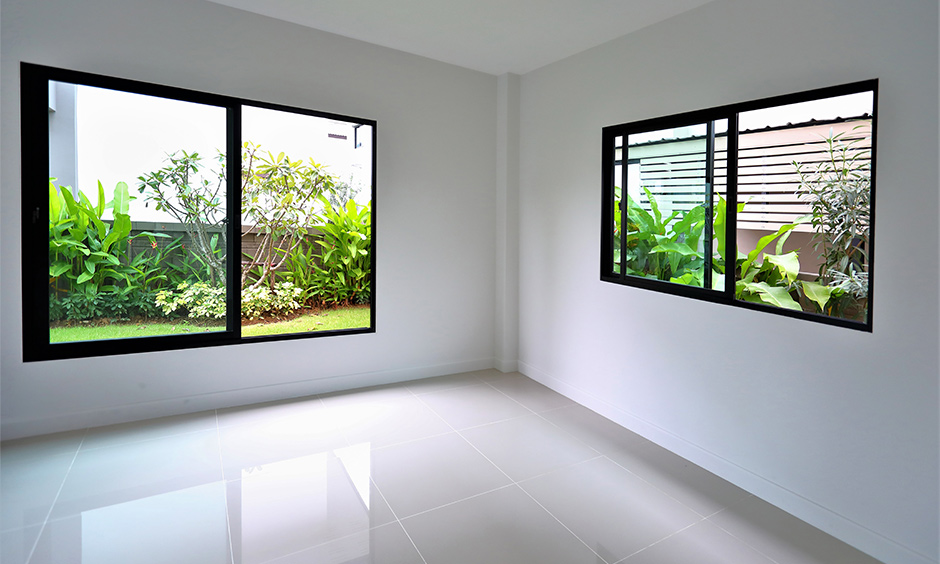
<point x="493" y="422"/>
<point x="434" y="411"/>
<point x="336" y="539"/>
<point x="397" y="518"/>
<point x="487" y="458"/>
<point x="410" y="441"/>
<point x="55" y="500"/>
<point x="566" y="433"/>
<point x="667" y="537"/>
<point x="171" y="435"/>
<point x="228" y="521"/>
<point x="490" y="384"/>
<point x="743" y="541"/>
<point x="405" y="384"/>
<point x="560" y="522"/>
<point x="556" y="469"/>
<point x="449" y="503"/>
<point x="662" y="491"/>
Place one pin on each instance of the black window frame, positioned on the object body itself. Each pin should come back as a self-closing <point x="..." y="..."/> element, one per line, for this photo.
<point x="34" y="88"/>
<point x="728" y="112"/>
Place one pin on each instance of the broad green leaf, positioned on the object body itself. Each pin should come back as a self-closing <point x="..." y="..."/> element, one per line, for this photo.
<point x="788" y="265"/>
<point x="122" y="198"/>
<point x="100" y="206"/>
<point x="655" y="206"/>
<point x="774" y="295"/>
<point x="83" y="277"/>
<point x="55" y="203"/>
<point x="673" y="247"/>
<point x="818" y="293"/>
<point x="59" y="268"/>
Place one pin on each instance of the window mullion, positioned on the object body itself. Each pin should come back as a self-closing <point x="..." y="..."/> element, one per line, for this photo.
<point x="731" y="207"/>
<point x="233" y="225"/>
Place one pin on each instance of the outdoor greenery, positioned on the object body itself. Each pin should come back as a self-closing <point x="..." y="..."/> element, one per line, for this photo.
<point x="311" y="255"/>
<point x="838" y="190"/>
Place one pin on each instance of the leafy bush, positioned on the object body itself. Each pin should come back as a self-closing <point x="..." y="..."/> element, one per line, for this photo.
<point x="85" y="252"/>
<point x="259" y="300"/>
<point x="301" y="272"/>
<point x="199" y="300"/>
<point x="122" y="304"/>
<point x="669" y="248"/>
<point x="343" y="275"/>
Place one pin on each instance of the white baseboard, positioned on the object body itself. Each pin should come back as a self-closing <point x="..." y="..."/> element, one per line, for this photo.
<point x="24" y="427"/>
<point x="839" y="526"/>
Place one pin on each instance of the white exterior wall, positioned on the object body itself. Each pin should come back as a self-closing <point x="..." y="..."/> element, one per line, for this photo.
<point x="837" y="426"/>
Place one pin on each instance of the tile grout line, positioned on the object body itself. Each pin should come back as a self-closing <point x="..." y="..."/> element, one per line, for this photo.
<point x="669" y="536"/>
<point x="739" y="539"/>
<point x="228" y="521"/>
<point x="552" y="515"/>
<point x="398" y="520"/>
<point x="56" y="498"/>
<point x="514" y="483"/>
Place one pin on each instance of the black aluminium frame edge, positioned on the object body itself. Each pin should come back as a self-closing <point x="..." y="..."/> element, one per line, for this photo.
<point x="233" y="241"/>
<point x="730" y="111"/>
<point x="731" y="202"/>
<point x="34" y="81"/>
<point x="33" y="107"/>
<point x="608" y="134"/>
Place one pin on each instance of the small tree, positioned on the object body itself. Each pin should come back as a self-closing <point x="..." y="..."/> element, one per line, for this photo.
<point x="838" y="190"/>
<point x="279" y="197"/>
<point x="194" y="201"/>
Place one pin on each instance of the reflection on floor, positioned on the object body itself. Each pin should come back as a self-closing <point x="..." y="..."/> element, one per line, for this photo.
<point x="480" y="467"/>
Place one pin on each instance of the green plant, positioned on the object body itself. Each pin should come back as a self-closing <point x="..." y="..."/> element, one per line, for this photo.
<point x="182" y="190"/>
<point x="85" y="251"/>
<point x="199" y="300"/>
<point x="668" y="248"/>
<point x="343" y="272"/>
<point x="838" y="190"/>
<point x="153" y="267"/>
<point x="278" y="198"/>
<point x="301" y="269"/>
<point x="261" y="300"/>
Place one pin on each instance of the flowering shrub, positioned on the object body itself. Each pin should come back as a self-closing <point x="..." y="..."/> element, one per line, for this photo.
<point x="200" y="300"/>
<point x="259" y="300"/>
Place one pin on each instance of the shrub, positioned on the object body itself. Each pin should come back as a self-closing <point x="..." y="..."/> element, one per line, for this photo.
<point x="258" y="300"/>
<point x="198" y="300"/>
<point x="122" y="304"/>
<point x="344" y="272"/>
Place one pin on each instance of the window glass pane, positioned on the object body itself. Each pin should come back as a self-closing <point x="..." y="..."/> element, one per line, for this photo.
<point x="306" y="223"/>
<point x="804" y="192"/>
<point x="137" y="199"/>
<point x="671" y="202"/>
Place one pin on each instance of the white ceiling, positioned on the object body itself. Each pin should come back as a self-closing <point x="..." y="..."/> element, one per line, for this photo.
<point x="493" y="36"/>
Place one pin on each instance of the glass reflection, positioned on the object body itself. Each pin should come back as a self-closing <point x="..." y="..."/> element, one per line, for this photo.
<point x="318" y="507"/>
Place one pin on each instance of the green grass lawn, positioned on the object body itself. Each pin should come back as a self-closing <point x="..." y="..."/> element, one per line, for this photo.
<point x="327" y="320"/>
<point x="340" y="318"/>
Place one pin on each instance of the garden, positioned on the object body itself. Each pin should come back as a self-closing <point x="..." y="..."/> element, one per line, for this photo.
<point x="837" y="191"/>
<point x="305" y="265"/>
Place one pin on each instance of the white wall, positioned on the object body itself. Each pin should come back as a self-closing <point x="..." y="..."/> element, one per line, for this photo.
<point x="435" y="205"/>
<point x="837" y="426"/>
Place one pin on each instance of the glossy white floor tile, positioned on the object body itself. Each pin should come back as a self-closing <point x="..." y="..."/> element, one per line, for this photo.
<point x="527" y="446"/>
<point x="504" y="525"/>
<point x="610" y="509"/>
<point x="470" y="468"/>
